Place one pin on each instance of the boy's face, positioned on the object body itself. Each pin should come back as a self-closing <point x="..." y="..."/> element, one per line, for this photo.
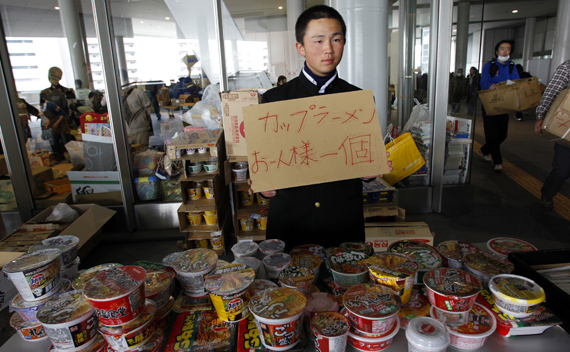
<point x="323" y="45"/>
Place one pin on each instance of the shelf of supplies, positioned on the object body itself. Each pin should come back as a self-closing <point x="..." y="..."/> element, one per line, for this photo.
<point x="253" y="235"/>
<point x="198" y="205"/>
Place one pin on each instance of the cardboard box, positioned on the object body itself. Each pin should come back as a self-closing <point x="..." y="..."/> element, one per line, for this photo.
<point x="381" y="235"/>
<point x="48" y="199"/>
<point x="384" y="213"/>
<point x="7" y="196"/>
<point x="40" y="175"/>
<point x="508" y="98"/>
<point x="556" y="122"/>
<point x="89" y="182"/>
<point x="195" y="139"/>
<point x="103" y="199"/>
<point x="232" y="103"/>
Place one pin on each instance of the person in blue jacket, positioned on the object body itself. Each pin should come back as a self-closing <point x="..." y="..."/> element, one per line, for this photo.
<point x="496" y="127"/>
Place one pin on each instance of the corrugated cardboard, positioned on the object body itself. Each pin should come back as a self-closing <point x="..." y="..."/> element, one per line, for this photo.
<point x="387" y="212"/>
<point x="314" y="140"/>
<point x="381" y="235"/>
<point x="556" y="124"/>
<point x="232" y="104"/>
<point x="40" y="175"/>
<point x="89" y="182"/>
<point x="195" y="139"/>
<point x="103" y="199"/>
<point x="52" y="199"/>
<point x="508" y="98"/>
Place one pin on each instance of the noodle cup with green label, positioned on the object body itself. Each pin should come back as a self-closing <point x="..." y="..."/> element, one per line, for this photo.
<point x="347" y="267"/>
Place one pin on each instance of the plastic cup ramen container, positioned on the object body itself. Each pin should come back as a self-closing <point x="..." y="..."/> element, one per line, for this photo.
<point x="372" y="309"/>
<point x="195" y="193"/>
<point x="394" y="270"/>
<point x="313" y="249"/>
<point x="320" y="302"/>
<point x="192" y="268"/>
<point x="202" y="150"/>
<point x="261" y="222"/>
<point x="211" y="219"/>
<point x="362" y="247"/>
<point x="245" y="249"/>
<point x="307" y="261"/>
<point x="230" y="288"/>
<point x="117" y="295"/>
<point x="297" y="277"/>
<point x="347" y="267"/>
<point x="245" y="198"/>
<point x="171" y="258"/>
<point x="246" y="223"/>
<point x="452" y="290"/>
<point x="331" y="330"/>
<point x="272" y="246"/>
<point x="28" y="309"/>
<point x="190" y="150"/>
<point x="364" y="342"/>
<point x="29" y="331"/>
<point x="162" y="316"/>
<point x="279" y="317"/>
<point x="275" y="263"/>
<point x="260" y="285"/>
<point x="452" y="253"/>
<point x="425" y="255"/>
<point x="208" y="192"/>
<point x="483" y="265"/>
<point x="211" y="166"/>
<point x="70" y="271"/>
<point x="417" y="306"/>
<point x="239" y="174"/>
<point x="450" y="318"/>
<point x="217" y="241"/>
<point x="90" y="273"/>
<point x="194" y="168"/>
<point x="154" y="344"/>
<point x="67" y="244"/>
<point x="251" y="262"/>
<point x="473" y="334"/>
<point x="261" y="199"/>
<point x="99" y="345"/>
<point x="133" y="334"/>
<point x="426" y="334"/>
<point x="516" y="295"/>
<point x="194" y="217"/>
<point x="34" y="275"/>
<point x="63" y="286"/>
<point x="69" y="320"/>
<point x="502" y="246"/>
<point x="157" y="287"/>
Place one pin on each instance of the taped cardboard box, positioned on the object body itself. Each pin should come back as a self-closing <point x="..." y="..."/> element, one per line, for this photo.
<point x="232" y="104"/>
<point x="90" y="182"/>
<point x="384" y="213"/>
<point x="557" y="120"/>
<point x="509" y="98"/>
<point x="381" y="235"/>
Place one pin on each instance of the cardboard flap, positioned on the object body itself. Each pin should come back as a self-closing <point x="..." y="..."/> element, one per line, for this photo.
<point x="92" y="221"/>
<point x="5" y="257"/>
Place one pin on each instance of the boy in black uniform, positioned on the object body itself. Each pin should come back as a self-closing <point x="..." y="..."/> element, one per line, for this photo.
<point x="327" y="213"/>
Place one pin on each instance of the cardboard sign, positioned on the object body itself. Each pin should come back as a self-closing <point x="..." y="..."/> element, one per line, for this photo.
<point x="314" y="140"/>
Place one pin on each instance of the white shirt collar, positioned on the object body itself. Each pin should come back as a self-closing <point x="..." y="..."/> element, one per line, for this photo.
<point x="312" y="80"/>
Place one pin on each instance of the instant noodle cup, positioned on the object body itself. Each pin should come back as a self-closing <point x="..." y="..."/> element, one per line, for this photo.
<point x="246" y="223"/>
<point x="69" y="320"/>
<point x="117" y="295"/>
<point x="261" y="222"/>
<point x="320" y="302"/>
<point x="194" y="167"/>
<point x="239" y="174"/>
<point x="135" y="333"/>
<point x="297" y="277"/>
<point x="90" y="273"/>
<point x="28" y="309"/>
<point x="260" y="285"/>
<point x="279" y="317"/>
<point x="483" y="265"/>
<point x="64" y="286"/>
<point x="516" y="295"/>
<point x="35" y="275"/>
<point x="29" y="331"/>
<point x="480" y="324"/>
<point x="251" y="262"/>
<point x="261" y="199"/>
<point x="217" y="241"/>
<point x="372" y="309"/>
<point x="330" y="329"/>
<point x="70" y="271"/>
<point x="67" y="244"/>
<point x="211" y="166"/>
<point x="312" y="249"/>
<point x="426" y="334"/>
<point x="272" y="246"/>
<point x="502" y="246"/>
<point x="394" y="270"/>
<point x="194" y="218"/>
<point x="162" y="316"/>
<point x="307" y="261"/>
<point x="192" y="268"/>
<point x="377" y="342"/>
<point x="452" y="253"/>
<point x="171" y="258"/>
<point x="423" y="254"/>
<point x="449" y="318"/>
<point x="195" y="192"/>
<point x="245" y="249"/>
<point x="230" y="288"/>
<point x="362" y="247"/>
<point x="245" y="198"/>
<point x="99" y="345"/>
<point x="348" y="268"/>
<point x="417" y="306"/>
<point x="452" y="290"/>
<point x="154" y="344"/>
<point x="208" y="192"/>
<point x="157" y="287"/>
<point x="275" y="263"/>
<point x="211" y="219"/>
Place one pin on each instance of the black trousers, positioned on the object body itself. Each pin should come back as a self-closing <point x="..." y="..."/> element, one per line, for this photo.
<point x="496" y="129"/>
<point x="560" y="172"/>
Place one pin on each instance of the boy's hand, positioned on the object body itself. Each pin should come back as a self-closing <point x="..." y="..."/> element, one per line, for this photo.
<point x="266" y="194"/>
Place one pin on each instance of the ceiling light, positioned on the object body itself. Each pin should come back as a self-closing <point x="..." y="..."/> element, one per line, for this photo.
<point x="280" y="7"/>
<point x="166" y="18"/>
<point x="57" y="7"/>
<point x="515" y="11"/>
<point x="142" y="21"/>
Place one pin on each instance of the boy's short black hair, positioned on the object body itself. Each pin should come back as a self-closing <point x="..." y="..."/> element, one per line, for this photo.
<point x="315" y="13"/>
<point x="503" y="42"/>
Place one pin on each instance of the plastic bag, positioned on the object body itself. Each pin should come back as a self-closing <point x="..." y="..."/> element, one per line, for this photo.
<point x="405" y="157"/>
<point x="206" y="112"/>
<point x="145" y="163"/>
<point x="63" y="212"/>
<point x="75" y="150"/>
<point x="419" y="114"/>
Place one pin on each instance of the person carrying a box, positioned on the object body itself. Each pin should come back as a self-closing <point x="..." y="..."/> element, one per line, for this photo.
<point x="561" y="162"/>
<point x="496" y="127"/>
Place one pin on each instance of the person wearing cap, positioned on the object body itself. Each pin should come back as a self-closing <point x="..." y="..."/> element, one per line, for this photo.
<point x="57" y="121"/>
<point x="190" y="88"/>
<point x="179" y="88"/>
<point x="56" y="93"/>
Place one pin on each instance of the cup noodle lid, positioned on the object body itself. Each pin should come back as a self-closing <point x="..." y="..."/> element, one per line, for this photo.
<point x="488" y="264"/>
<point x="502" y="246"/>
<point x="63" y="242"/>
<point x="312" y="249"/>
<point x="393" y="265"/>
<point x="329" y="324"/>
<point x="425" y="255"/>
<point x="306" y="261"/>
<point x="31" y="261"/>
<point x="262" y="285"/>
<point x="114" y="283"/>
<point x="417" y="306"/>
<point x="229" y="279"/>
<point x="516" y="289"/>
<point x="345" y="261"/>
<point x="455" y="249"/>
<point x="296" y="276"/>
<point x="244" y="247"/>
<point x="278" y="260"/>
<point x="196" y="260"/>
<point x="156" y="282"/>
<point x="481" y="323"/>
<point x="428" y="334"/>
<point x="148" y="313"/>
<point x="251" y="262"/>
<point x="371" y="301"/>
<point x="170" y="259"/>
<point x="271" y="246"/>
<point x="321" y="302"/>
<point x="281" y="303"/>
<point x="452" y="282"/>
<point x="64" y="308"/>
<point x="358" y="247"/>
<point x="90" y="273"/>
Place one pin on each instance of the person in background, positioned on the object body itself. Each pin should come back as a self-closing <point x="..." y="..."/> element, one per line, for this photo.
<point x="57" y="121"/>
<point x="56" y="93"/>
<point x="561" y="161"/>
<point x="281" y="80"/>
<point x="140" y="125"/>
<point x="457" y="91"/>
<point x="151" y="93"/>
<point x="81" y="93"/>
<point x="177" y="90"/>
<point x="190" y="88"/>
<point x="472" y="90"/>
<point x="522" y="74"/>
<point x="496" y="127"/>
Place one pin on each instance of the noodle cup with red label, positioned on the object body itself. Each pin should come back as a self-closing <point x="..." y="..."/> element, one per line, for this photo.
<point x="378" y="342"/>
<point x="133" y="334"/>
<point x="192" y="268"/>
<point x="279" y="317"/>
<point x="230" y="288"/>
<point x="484" y="265"/>
<point x="394" y="270"/>
<point x="452" y="290"/>
<point x="117" y="295"/>
<point x="417" y="306"/>
<point x="452" y="253"/>
<point x="320" y="302"/>
<point x="330" y="329"/>
<point x="69" y="321"/>
<point x="371" y="308"/>
<point x="157" y="287"/>
<point x="154" y="344"/>
<point x="474" y="333"/>
<point x="307" y="261"/>
<point x="29" y="331"/>
<point x="502" y="246"/>
<point x="298" y="278"/>
<point x="90" y="273"/>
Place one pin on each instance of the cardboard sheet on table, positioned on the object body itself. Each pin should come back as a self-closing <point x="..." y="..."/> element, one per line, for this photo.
<point x="314" y="140"/>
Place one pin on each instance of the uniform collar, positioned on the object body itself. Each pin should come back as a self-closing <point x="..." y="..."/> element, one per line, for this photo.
<point x="321" y="82"/>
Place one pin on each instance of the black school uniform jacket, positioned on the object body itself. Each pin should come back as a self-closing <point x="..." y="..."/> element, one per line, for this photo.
<point x="327" y="213"/>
